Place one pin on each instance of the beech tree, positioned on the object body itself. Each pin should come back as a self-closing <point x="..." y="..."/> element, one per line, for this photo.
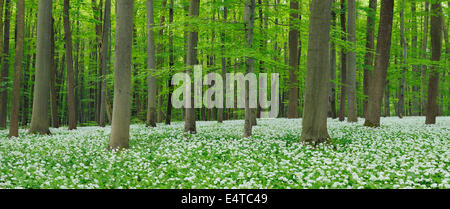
<point x="69" y="63"/>
<point x="191" y="60"/>
<point x="120" y="126"/>
<point x="378" y="78"/>
<point x="314" y="123"/>
<point x="351" y="63"/>
<point x="20" y="25"/>
<point x="436" y="47"/>
<point x="39" y="117"/>
<point x="151" y="98"/>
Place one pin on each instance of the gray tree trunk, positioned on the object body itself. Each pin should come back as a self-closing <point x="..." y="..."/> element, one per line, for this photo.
<point x="151" y="83"/>
<point x="351" y="64"/>
<point x="293" y="61"/>
<point x="122" y="76"/>
<point x="343" y="65"/>
<point x="370" y="43"/>
<point x="20" y="26"/>
<point x="314" y="123"/>
<point x="104" y="61"/>
<point x="5" y="66"/>
<point x="404" y="44"/>
<point x="39" y="118"/>
<point x="69" y="61"/>
<point x="249" y="26"/>
<point x="191" y="60"/>
<point x="378" y="79"/>
<point x="436" y="47"/>
<point x="424" y="56"/>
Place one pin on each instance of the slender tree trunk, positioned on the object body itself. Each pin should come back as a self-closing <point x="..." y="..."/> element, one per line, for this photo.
<point x="415" y="88"/>
<point x="293" y="61"/>
<point x="69" y="61"/>
<point x="343" y="66"/>
<point x="314" y="123"/>
<point x="351" y="64"/>
<point x="5" y="67"/>
<point x="151" y="83"/>
<point x="171" y="64"/>
<point x="53" y="93"/>
<point x="249" y="26"/>
<point x="191" y="60"/>
<point x="20" y="26"/>
<point x="224" y="67"/>
<point x="370" y="45"/>
<point x="332" y="84"/>
<point x="122" y="76"/>
<point x="424" y="55"/>
<point x="436" y="47"/>
<point x="378" y="78"/>
<point x="104" y="60"/>
<point x="39" y="117"/>
<point x="401" y="93"/>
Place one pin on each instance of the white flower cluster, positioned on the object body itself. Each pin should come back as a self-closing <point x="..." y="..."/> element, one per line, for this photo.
<point x="403" y="153"/>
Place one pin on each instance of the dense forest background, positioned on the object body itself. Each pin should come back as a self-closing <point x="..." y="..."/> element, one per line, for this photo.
<point x="280" y="46"/>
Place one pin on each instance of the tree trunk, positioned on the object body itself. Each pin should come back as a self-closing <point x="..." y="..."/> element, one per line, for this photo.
<point x="378" y="79"/>
<point x="69" y="61"/>
<point x="424" y="55"/>
<point x="332" y="84"/>
<point x="53" y="93"/>
<point x="314" y="123"/>
<point x="368" y="59"/>
<point x="39" y="117"/>
<point x="293" y="61"/>
<point x="404" y="44"/>
<point x="20" y="19"/>
<point x="151" y="83"/>
<point x="5" y="67"/>
<point x="343" y="66"/>
<point x="249" y="20"/>
<point x="224" y="67"/>
<point x="122" y="76"/>
<point x="104" y="61"/>
<point x="415" y="88"/>
<point x="191" y="60"/>
<point x="351" y="64"/>
<point x="436" y="46"/>
<point x="171" y="64"/>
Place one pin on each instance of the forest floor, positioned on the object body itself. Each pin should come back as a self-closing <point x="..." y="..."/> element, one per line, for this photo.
<point x="403" y="153"/>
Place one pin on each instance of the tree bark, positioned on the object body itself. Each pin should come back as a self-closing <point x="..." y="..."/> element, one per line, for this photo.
<point x="5" y="67"/>
<point x="424" y="55"/>
<point x="171" y="64"/>
<point x="293" y="61"/>
<point x="404" y="44"/>
<point x="39" y="118"/>
<point x="122" y="76"/>
<point x="436" y="47"/>
<point x="351" y="64"/>
<point x="343" y="65"/>
<point x="191" y="60"/>
<point x="20" y="19"/>
<point x="314" y="123"/>
<point x="368" y="59"/>
<point x="151" y="83"/>
<point x="104" y="60"/>
<point x="332" y="84"/>
<point x="378" y="78"/>
<point x="249" y="20"/>
<point x="69" y="61"/>
<point x="221" y="115"/>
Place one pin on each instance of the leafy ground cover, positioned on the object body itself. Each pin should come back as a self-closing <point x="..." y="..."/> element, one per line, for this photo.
<point x="403" y="153"/>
